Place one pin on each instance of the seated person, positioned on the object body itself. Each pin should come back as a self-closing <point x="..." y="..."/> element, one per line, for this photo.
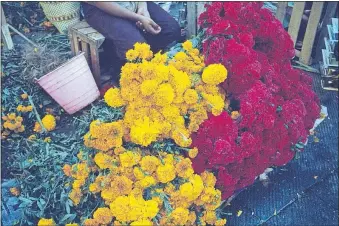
<point x="125" y="23"/>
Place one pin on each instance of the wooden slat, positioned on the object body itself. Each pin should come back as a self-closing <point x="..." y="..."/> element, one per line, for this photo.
<point x="281" y="11"/>
<point x="297" y="13"/>
<point x="330" y="12"/>
<point x="95" y="64"/>
<point x="87" y="30"/>
<point x="75" y="44"/>
<point x="191" y="19"/>
<point x="85" y="49"/>
<point x="70" y="37"/>
<point x="97" y="38"/>
<point x="311" y="30"/>
<point x="82" y="24"/>
<point x="200" y="9"/>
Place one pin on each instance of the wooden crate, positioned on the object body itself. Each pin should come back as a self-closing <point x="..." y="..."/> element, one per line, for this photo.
<point x="86" y="39"/>
<point x="308" y="41"/>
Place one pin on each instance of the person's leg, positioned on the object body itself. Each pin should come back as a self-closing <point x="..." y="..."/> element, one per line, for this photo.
<point x="121" y="32"/>
<point x="170" y="29"/>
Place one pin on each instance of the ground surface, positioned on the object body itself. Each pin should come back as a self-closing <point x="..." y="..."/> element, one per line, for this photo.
<point x="305" y="191"/>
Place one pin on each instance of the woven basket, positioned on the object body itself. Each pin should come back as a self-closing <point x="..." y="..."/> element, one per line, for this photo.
<point x="62" y="14"/>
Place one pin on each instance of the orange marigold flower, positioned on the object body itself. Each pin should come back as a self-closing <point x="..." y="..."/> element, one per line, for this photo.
<point x="67" y="170"/>
<point x="235" y="114"/>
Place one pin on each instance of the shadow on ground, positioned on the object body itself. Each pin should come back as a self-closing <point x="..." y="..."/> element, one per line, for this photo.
<point x="305" y="191"/>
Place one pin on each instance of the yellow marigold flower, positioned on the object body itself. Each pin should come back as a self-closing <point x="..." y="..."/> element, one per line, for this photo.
<point x="179" y="216"/>
<point x="11" y="116"/>
<point x="208" y="178"/>
<point x="149" y="163"/>
<point x="194" y="52"/>
<point x="164" y="95"/>
<point x="91" y="222"/>
<point x="144" y="131"/>
<point x="131" y="55"/>
<point x="77" y="184"/>
<point x="169" y="159"/>
<point x="158" y="200"/>
<point x="119" y="150"/>
<point x="129" y="158"/>
<point x="103" y="215"/>
<point x="209" y="217"/>
<point x="19" y="119"/>
<point x="72" y="224"/>
<point x="67" y="170"/>
<point x="120" y="208"/>
<point x="147" y="181"/>
<point x="180" y="56"/>
<point x="187" y="46"/>
<point x="122" y="185"/>
<point x="191" y="96"/>
<point x="192" y="189"/>
<point x="192" y="217"/>
<point x="181" y="137"/>
<point x="20" y="108"/>
<point x="214" y="74"/>
<point x="20" y="129"/>
<point x="235" y="114"/>
<point x="24" y="96"/>
<point x="215" y="102"/>
<point x="143" y="50"/>
<point x="108" y="195"/>
<point x="49" y="122"/>
<point x="148" y="87"/>
<point x="37" y="127"/>
<point x="94" y="188"/>
<point x="29" y="108"/>
<point x="192" y="153"/>
<point x="48" y="140"/>
<point x="142" y="222"/>
<point x="103" y="161"/>
<point x="46" y="222"/>
<point x="81" y="171"/>
<point x="159" y="58"/>
<point x="15" y="191"/>
<point x="220" y="222"/>
<point x="184" y="168"/>
<point x="113" y="98"/>
<point x="208" y="194"/>
<point x="32" y="137"/>
<point x="165" y="173"/>
<point x="138" y="174"/>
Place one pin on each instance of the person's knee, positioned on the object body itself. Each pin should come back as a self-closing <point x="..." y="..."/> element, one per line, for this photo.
<point x="174" y="32"/>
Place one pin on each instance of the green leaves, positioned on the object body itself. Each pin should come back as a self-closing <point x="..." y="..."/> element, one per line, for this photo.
<point x="68" y="218"/>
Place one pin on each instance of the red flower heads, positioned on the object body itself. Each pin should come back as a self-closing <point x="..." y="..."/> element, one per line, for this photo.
<point x="276" y="103"/>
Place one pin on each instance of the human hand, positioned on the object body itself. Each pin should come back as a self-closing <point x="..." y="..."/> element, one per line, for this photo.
<point x="143" y="12"/>
<point x="148" y="25"/>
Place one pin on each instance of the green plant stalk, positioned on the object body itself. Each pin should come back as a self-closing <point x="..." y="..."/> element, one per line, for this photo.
<point x="35" y="112"/>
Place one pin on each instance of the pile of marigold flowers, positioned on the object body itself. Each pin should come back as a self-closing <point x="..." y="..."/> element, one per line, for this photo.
<point x="141" y="189"/>
<point x="163" y="98"/>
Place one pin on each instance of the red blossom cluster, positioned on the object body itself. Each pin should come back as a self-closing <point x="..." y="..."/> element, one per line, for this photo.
<point x="276" y="102"/>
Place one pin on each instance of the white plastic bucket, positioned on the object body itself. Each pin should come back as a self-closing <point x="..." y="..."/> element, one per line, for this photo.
<point x="71" y="85"/>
